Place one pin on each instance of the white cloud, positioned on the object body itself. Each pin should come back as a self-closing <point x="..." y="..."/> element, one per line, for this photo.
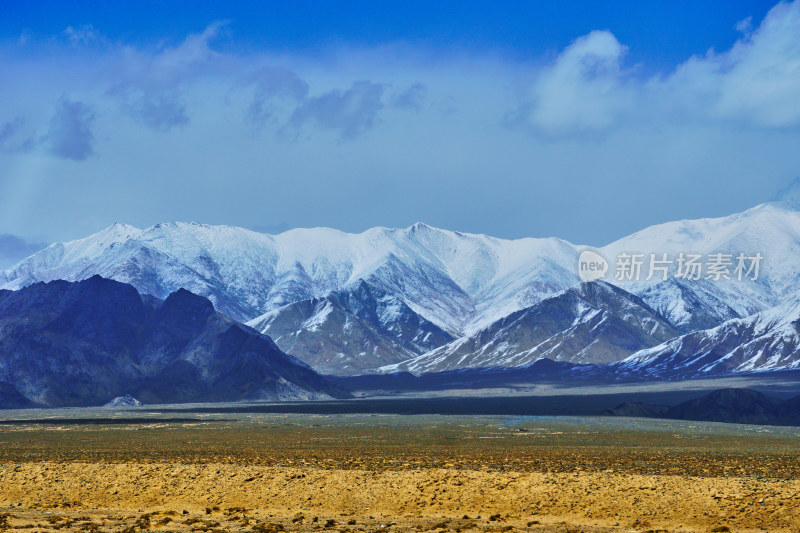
<point x="588" y="89"/>
<point x="582" y="91"/>
<point x="757" y="81"/>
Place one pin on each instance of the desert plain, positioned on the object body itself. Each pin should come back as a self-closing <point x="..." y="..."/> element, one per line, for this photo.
<point x="161" y="470"/>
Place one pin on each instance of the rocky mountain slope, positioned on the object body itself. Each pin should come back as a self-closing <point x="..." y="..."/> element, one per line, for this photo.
<point x="766" y="341"/>
<point x="592" y="323"/>
<point x="457" y="281"/>
<point x="351" y="331"/>
<point x="688" y="305"/>
<point x="88" y="342"/>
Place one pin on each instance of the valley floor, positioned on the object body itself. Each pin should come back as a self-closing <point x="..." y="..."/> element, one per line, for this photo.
<point x="115" y="470"/>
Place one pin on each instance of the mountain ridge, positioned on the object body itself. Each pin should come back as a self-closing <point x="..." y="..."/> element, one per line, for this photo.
<point x="85" y="343"/>
<point x="731" y="405"/>
<point x="592" y="323"/>
<point x="351" y="330"/>
<point x="769" y="340"/>
<point x="461" y="283"/>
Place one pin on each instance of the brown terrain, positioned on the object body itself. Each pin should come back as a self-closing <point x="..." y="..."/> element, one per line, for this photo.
<point x="257" y="472"/>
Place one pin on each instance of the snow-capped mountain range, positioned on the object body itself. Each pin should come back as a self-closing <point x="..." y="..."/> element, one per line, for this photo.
<point x="398" y="298"/>
<point x="765" y="341"/>
<point x="458" y="281"/>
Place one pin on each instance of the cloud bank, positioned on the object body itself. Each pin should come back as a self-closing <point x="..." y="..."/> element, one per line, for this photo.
<point x="93" y="131"/>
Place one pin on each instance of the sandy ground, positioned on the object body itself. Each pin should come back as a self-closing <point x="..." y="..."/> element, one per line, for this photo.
<point x="238" y="496"/>
<point x="353" y="475"/>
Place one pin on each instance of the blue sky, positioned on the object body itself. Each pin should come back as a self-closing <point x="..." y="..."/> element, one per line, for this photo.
<point x="584" y="120"/>
<point x="660" y="33"/>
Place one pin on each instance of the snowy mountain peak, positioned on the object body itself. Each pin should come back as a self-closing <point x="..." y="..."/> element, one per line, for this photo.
<point x="420" y="226"/>
<point x="121" y="227"/>
<point x="116" y="232"/>
<point x="460" y="283"/>
<point x="455" y="280"/>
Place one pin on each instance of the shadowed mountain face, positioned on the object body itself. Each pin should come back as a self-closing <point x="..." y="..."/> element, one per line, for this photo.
<point x="731" y="405"/>
<point x="85" y="343"/>
<point x="10" y="398"/>
<point x="741" y="406"/>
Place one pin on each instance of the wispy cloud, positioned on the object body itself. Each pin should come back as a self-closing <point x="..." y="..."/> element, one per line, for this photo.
<point x="161" y="110"/>
<point x="349" y="112"/>
<point x="12" y="136"/>
<point x="69" y="134"/>
<point x="274" y="89"/>
<point x="83" y="35"/>
<point x="150" y="86"/>
<point x="412" y="97"/>
<point x="587" y="89"/>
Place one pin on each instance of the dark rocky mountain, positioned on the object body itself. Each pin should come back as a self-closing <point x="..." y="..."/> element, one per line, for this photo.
<point x="743" y="406"/>
<point x="88" y="342"/>
<point x="351" y="331"/>
<point x="10" y="398"/>
<point x="592" y="323"/>
<point x="740" y="406"/>
<point x="542" y="370"/>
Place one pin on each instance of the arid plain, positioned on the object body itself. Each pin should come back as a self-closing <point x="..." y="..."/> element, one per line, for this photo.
<point x="132" y="470"/>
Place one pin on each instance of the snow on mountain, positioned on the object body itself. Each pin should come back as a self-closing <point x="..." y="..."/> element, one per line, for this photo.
<point x="124" y="401"/>
<point x="457" y="281"/>
<point x="591" y="323"/>
<point x="460" y="283"/>
<point x="351" y="331"/>
<point x="766" y="341"/>
<point x="689" y="305"/>
<point x="771" y="229"/>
